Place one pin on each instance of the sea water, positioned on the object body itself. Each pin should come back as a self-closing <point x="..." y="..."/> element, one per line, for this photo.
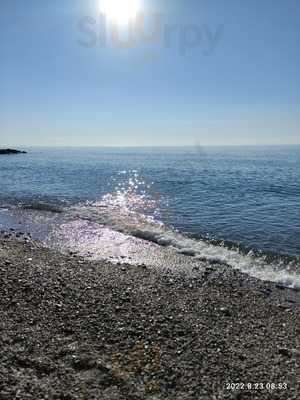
<point x="236" y="205"/>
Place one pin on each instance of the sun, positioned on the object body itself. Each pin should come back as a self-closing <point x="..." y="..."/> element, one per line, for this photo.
<point x="120" y="11"/>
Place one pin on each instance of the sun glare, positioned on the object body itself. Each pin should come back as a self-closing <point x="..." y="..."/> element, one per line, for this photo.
<point x="120" y="11"/>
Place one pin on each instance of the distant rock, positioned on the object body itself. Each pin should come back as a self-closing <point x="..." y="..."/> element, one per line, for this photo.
<point x="11" y="151"/>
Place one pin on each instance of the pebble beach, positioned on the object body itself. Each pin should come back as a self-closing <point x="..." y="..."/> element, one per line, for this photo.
<point x="75" y="329"/>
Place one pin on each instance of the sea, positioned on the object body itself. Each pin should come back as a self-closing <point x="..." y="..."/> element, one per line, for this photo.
<point x="170" y="207"/>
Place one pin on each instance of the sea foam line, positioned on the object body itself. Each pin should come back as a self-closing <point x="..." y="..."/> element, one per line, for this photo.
<point x="130" y="222"/>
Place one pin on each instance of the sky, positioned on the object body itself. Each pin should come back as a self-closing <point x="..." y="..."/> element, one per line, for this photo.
<point x="208" y="72"/>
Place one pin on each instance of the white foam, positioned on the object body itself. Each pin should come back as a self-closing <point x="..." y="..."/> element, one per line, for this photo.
<point x="130" y="222"/>
<point x="135" y="214"/>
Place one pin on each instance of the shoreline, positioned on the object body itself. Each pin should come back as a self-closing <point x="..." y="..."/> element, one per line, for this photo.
<point x="76" y="329"/>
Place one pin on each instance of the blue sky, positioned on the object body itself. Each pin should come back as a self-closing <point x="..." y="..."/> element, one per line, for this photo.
<point x="220" y="72"/>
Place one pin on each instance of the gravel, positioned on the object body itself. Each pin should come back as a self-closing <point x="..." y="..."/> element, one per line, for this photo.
<point x="74" y="329"/>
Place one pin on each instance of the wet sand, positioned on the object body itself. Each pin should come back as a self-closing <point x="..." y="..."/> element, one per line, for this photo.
<point x="75" y="329"/>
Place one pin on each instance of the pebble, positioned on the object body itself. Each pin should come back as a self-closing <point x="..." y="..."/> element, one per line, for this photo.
<point x="225" y="311"/>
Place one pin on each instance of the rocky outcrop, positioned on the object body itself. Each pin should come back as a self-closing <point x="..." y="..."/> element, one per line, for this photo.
<point x="11" y="151"/>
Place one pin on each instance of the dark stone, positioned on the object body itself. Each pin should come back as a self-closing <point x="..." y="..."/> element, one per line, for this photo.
<point x="284" y="352"/>
<point x="225" y="311"/>
<point x="267" y="291"/>
<point x="84" y="363"/>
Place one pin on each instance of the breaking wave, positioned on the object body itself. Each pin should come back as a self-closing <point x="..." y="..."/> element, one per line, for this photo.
<point x="132" y="211"/>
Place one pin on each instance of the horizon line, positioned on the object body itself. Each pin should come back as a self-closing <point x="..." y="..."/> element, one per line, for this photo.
<point x="149" y="146"/>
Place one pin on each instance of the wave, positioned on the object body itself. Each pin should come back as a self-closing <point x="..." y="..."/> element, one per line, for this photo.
<point x="133" y="209"/>
<point x="132" y="214"/>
